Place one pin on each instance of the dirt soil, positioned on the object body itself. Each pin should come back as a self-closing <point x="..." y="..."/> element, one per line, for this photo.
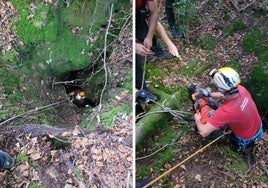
<point x="69" y="156"/>
<point x="212" y="167"/>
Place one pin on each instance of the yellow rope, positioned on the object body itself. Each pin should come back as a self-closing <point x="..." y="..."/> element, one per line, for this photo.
<point x="176" y="166"/>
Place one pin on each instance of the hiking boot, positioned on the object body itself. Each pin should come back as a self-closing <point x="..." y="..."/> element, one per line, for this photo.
<point x="144" y="96"/>
<point x="141" y="183"/>
<point x="6" y="161"/>
<point x="164" y="55"/>
<point x="176" y="33"/>
<point x="159" y="56"/>
<point x="151" y="97"/>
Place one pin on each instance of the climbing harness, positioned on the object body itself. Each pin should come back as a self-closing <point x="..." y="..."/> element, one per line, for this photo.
<point x="188" y="158"/>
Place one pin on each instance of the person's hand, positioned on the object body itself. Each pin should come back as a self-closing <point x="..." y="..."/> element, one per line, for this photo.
<point x="142" y="50"/>
<point x="216" y="95"/>
<point x="173" y="50"/>
<point x="148" y="42"/>
<point x="197" y="117"/>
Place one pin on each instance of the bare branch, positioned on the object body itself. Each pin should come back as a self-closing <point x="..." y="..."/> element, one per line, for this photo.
<point x="104" y="64"/>
<point x="37" y="109"/>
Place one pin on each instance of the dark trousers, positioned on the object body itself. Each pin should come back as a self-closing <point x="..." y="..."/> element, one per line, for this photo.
<point x="139" y="72"/>
<point x="142" y="29"/>
<point x="170" y="13"/>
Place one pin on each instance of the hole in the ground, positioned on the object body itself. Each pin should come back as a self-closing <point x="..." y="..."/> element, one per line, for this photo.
<point x="79" y="90"/>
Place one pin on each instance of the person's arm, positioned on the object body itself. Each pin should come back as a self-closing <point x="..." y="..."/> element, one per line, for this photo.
<point x="216" y="95"/>
<point x="162" y="33"/>
<point x="152" y="23"/>
<point x="142" y="50"/>
<point x="203" y="129"/>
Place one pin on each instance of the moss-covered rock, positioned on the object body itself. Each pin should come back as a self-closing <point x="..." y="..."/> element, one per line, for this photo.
<point x="65" y="38"/>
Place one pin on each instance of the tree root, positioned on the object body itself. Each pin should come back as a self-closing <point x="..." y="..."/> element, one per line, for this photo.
<point x="36" y="130"/>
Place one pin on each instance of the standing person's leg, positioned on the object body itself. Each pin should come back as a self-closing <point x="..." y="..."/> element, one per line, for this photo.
<point x="171" y="19"/>
<point x="143" y="95"/>
<point x="141" y="33"/>
<point x="170" y="13"/>
<point x="139" y="72"/>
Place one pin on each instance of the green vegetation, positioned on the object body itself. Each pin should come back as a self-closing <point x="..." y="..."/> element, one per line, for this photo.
<point x="53" y="42"/>
<point x="164" y="157"/>
<point x="36" y="23"/>
<point x="234" y="64"/>
<point x="207" y="43"/>
<point x="186" y="13"/>
<point x="237" y="26"/>
<point x="61" y="41"/>
<point x="143" y="171"/>
<point x="254" y="42"/>
<point x="35" y="185"/>
<point x="21" y="157"/>
<point x="109" y="117"/>
<point x="160" y="134"/>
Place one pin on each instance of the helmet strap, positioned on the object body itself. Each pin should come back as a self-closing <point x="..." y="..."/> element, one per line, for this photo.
<point x="233" y="90"/>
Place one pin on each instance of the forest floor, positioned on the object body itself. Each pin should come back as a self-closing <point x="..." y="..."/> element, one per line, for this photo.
<point x="219" y="165"/>
<point x="66" y="155"/>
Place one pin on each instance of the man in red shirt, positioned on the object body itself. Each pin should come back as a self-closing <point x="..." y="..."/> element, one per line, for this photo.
<point x="238" y="112"/>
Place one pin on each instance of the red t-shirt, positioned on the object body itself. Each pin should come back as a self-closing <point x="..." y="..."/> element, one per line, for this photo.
<point x="240" y="114"/>
<point x="139" y="3"/>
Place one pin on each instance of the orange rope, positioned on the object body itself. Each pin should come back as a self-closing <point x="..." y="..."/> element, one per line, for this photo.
<point x="176" y="166"/>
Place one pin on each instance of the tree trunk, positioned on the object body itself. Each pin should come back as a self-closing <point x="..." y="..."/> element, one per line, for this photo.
<point x="152" y="121"/>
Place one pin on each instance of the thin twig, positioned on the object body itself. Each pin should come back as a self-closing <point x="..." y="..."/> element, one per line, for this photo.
<point x="248" y="5"/>
<point x="104" y="64"/>
<point x="175" y="113"/>
<point x="128" y="179"/>
<point x="108" y="46"/>
<point x="52" y="136"/>
<point x="68" y="82"/>
<point x="155" y="152"/>
<point x="34" y="111"/>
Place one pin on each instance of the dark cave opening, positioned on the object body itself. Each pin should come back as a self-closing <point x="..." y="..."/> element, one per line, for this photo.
<point x="79" y="90"/>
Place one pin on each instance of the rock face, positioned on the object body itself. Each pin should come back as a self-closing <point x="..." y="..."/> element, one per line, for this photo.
<point x="62" y="38"/>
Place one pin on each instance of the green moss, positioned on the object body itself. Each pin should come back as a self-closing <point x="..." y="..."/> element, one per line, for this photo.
<point x="10" y="80"/>
<point x="207" y="42"/>
<point x="3" y="113"/>
<point x="188" y="69"/>
<point x="163" y="158"/>
<point x="200" y="69"/>
<point x="237" y="163"/>
<point x="21" y="157"/>
<point x="107" y="118"/>
<point x="253" y="41"/>
<point x="49" y="32"/>
<point x="127" y="84"/>
<point x="41" y="27"/>
<point x="234" y="63"/>
<point x="236" y="26"/>
<point x="213" y="59"/>
<point x="257" y="84"/>
<point x="36" y="185"/>
<point x="143" y="171"/>
<point x="9" y="56"/>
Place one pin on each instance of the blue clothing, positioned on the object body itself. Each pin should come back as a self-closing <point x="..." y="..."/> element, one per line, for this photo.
<point x="6" y="161"/>
<point x="246" y="142"/>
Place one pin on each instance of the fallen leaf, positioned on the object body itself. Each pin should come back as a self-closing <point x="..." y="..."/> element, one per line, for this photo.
<point x="198" y="177"/>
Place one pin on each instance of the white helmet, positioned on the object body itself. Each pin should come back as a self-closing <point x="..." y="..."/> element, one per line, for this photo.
<point x="225" y="78"/>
